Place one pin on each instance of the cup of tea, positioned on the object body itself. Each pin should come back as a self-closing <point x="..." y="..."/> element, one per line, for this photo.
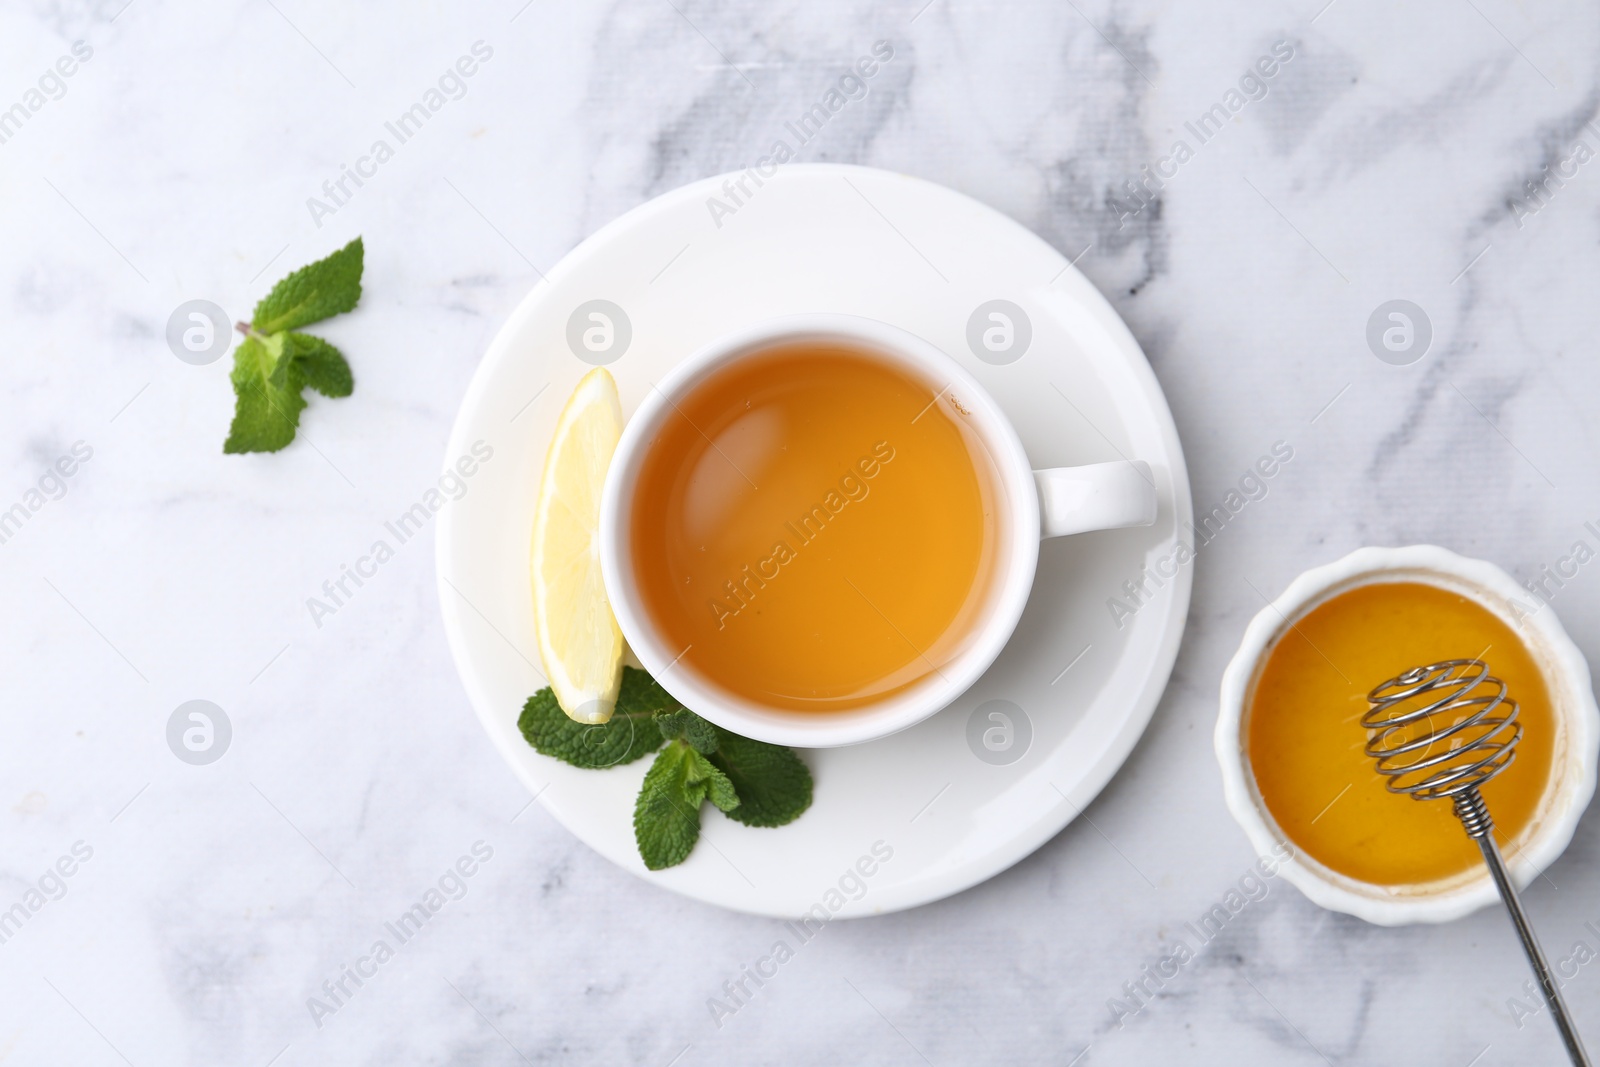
<point x="821" y="530"/>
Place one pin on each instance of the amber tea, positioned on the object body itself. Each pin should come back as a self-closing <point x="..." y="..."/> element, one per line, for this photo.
<point x="816" y="528"/>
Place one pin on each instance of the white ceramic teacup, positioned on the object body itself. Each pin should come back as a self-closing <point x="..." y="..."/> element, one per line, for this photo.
<point x="1034" y="504"/>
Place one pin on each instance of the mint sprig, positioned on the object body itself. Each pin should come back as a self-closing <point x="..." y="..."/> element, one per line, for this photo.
<point x="751" y="781"/>
<point x="273" y="364"/>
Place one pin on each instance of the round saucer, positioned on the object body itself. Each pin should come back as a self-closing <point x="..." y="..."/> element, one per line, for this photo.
<point x="962" y="796"/>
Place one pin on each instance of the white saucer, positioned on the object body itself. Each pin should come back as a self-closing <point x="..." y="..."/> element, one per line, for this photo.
<point x="829" y="238"/>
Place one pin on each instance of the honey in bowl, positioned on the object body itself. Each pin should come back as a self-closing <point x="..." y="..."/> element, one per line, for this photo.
<point x="1305" y="740"/>
<point x="815" y="528"/>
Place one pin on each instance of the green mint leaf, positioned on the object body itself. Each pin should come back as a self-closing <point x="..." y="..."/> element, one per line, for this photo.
<point x="267" y="404"/>
<point x="690" y="727"/>
<point x="773" y="784"/>
<point x="629" y="735"/>
<point x="718" y="786"/>
<point x="313" y="293"/>
<point x="323" y="365"/>
<point x="642" y="695"/>
<point x="282" y="350"/>
<point x="666" y="817"/>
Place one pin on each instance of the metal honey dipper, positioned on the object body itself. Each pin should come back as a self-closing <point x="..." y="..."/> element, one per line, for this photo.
<point x="1442" y="731"/>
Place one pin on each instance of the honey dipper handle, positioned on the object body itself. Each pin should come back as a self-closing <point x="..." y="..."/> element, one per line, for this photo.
<point x="1530" y="943"/>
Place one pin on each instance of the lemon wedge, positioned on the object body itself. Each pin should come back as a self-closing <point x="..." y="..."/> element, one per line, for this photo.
<point x="579" y="639"/>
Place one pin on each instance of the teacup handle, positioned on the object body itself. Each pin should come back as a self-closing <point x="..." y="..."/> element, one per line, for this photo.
<point x="1097" y="496"/>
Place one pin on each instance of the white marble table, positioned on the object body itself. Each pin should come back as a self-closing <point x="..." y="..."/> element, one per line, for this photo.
<point x="1389" y="158"/>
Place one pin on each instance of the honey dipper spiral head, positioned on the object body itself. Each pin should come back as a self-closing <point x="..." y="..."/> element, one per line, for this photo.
<point x="1441" y="730"/>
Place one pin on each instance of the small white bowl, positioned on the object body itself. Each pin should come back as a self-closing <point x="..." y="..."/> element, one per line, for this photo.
<point x="1572" y="700"/>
